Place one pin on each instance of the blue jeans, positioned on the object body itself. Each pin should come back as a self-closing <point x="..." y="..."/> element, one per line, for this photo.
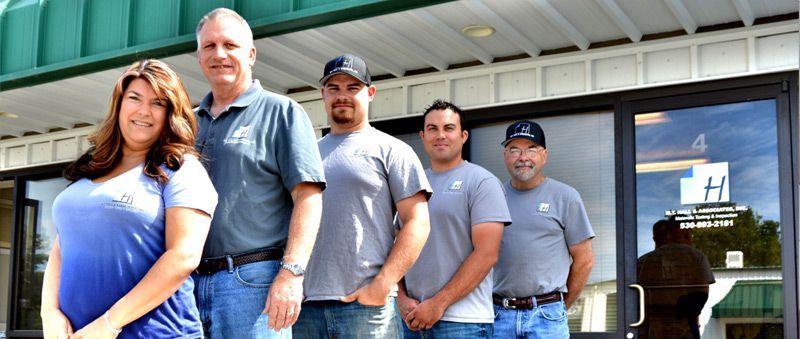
<point x="231" y="301"/>
<point x="542" y="321"/>
<point x="449" y="329"/>
<point x="335" y="319"/>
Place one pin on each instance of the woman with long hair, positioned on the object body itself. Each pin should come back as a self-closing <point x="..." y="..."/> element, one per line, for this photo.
<point x="132" y="224"/>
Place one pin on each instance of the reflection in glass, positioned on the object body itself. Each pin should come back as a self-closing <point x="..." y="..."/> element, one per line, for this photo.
<point x="676" y="277"/>
<point x="6" y="222"/>
<point x="37" y="233"/>
<point x="712" y="172"/>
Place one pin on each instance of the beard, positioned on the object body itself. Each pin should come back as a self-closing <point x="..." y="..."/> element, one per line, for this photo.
<point x="342" y="117"/>
<point x="522" y="174"/>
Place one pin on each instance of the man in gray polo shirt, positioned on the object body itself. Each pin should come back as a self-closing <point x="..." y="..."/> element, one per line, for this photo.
<point x="448" y="291"/>
<point x="358" y="258"/>
<point x="546" y="253"/>
<point x="259" y="150"/>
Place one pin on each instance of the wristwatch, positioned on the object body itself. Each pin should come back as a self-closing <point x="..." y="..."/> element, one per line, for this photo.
<point x="296" y="269"/>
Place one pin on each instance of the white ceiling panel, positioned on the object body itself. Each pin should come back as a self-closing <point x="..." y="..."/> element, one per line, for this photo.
<point x="425" y="35"/>
<point x="442" y="40"/>
<point x="589" y="18"/>
<point x="532" y="23"/>
<point x="767" y="8"/>
<point x="711" y="12"/>
<point x="457" y="16"/>
<point x="651" y="16"/>
<point x="393" y="44"/>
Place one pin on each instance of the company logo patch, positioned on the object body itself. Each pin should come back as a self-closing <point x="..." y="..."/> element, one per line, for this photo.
<point x="126" y="198"/>
<point x="523" y="129"/>
<point x="239" y="136"/>
<point x="706" y="183"/>
<point x="124" y="202"/>
<point x="361" y="152"/>
<point x="543" y="207"/>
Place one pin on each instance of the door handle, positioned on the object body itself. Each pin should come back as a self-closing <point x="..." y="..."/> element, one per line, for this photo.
<point x="641" y="304"/>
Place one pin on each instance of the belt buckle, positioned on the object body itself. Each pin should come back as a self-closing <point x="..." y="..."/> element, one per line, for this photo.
<point x="198" y="270"/>
<point x="506" y="305"/>
<point x="205" y="267"/>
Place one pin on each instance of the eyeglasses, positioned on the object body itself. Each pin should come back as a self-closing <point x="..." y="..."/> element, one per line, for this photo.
<point x="516" y="152"/>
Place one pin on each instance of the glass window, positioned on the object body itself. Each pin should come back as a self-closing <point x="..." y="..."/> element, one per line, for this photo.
<point x="581" y="154"/>
<point x="36" y="240"/>
<point x="6" y="223"/>
<point x="413" y="140"/>
<point x="708" y="230"/>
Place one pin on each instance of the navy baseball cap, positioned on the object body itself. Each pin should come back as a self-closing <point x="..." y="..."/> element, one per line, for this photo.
<point x="525" y="129"/>
<point x="349" y="64"/>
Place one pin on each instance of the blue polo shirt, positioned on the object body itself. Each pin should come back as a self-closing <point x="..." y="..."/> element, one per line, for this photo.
<point x="255" y="151"/>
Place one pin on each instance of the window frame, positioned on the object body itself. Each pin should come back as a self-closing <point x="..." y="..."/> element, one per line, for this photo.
<point x="782" y="86"/>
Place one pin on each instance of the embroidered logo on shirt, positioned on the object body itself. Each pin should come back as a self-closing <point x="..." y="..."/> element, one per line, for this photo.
<point x="241" y="132"/>
<point x="124" y="202"/>
<point x="543" y="208"/>
<point x="239" y="136"/>
<point x="455" y="185"/>
<point x="126" y="198"/>
<point x="361" y="152"/>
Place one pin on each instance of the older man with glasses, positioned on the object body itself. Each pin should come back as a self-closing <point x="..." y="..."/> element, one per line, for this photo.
<point x="546" y="252"/>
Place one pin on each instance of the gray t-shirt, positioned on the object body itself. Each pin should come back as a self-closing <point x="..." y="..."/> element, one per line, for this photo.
<point x="464" y="196"/>
<point x="368" y="172"/>
<point x="534" y="255"/>
<point x="256" y="152"/>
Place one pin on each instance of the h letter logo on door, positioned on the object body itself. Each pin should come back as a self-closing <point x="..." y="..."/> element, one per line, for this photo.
<point x="706" y="183"/>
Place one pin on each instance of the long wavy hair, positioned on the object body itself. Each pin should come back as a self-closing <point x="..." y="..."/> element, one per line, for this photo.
<point x="177" y="136"/>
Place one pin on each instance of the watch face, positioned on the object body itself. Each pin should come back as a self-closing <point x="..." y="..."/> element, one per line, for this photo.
<point x="294" y="268"/>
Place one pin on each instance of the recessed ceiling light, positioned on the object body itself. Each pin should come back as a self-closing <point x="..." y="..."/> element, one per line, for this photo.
<point x="477" y="31"/>
<point x="8" y="115"/>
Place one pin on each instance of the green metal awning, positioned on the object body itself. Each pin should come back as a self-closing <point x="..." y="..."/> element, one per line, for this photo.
<point x="752" y="299"/>
<point x="47" y="40"/>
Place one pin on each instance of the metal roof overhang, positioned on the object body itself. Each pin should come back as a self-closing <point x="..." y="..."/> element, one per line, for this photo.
<point x="752" y="299"/>
<point x="43" y="41"/>
<point x="60" y="58"/>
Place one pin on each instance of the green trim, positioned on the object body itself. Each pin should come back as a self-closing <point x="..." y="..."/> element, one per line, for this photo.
<point x="751" y="299"/>
<point x="296" y="19"/>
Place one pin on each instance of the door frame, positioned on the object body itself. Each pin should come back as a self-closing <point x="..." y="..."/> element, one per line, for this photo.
<point x="20" y="178"/>
<point x="777" y="87"/>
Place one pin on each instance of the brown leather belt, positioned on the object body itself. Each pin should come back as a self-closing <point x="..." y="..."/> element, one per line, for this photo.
<point x="526" y="303"/>
<point x="229" y="262"/>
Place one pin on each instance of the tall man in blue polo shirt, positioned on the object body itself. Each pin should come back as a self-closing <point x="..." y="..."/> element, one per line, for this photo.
<point x="260" y="152"/>
<point x="546" y="253"/>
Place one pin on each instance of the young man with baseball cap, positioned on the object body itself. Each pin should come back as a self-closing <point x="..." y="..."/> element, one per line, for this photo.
<point x="546" y="253"/>
<point x="359" y="256"/>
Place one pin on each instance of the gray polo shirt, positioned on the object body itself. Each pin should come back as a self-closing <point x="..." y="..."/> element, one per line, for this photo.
<point x="534" y="255"/>
<point x="368" y="172"/>
<point x="255" y="152"/>
<point x="463" y="197"/>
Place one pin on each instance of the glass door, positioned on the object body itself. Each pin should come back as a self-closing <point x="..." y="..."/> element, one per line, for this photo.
<point x="708" y="235"/>
<point x="6" y="222"/>
<point x="34" y="239"/>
